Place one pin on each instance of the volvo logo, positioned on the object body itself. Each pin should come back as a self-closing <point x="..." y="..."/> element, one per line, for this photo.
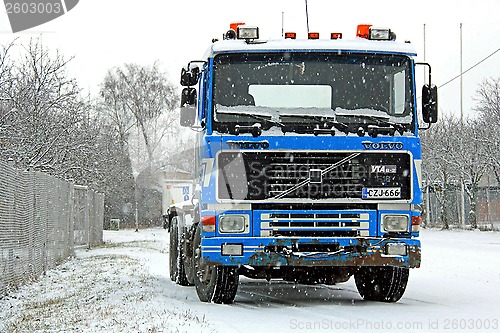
<point x="248" y="144"/>
<point x="383" y="145"/>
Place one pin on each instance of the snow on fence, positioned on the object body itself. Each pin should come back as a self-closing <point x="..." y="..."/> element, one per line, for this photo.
<point x="42" y="219"/>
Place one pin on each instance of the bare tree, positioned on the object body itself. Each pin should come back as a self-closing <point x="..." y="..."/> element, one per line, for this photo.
<point x="45" y="112"/>
<point x="439" y="169"/>
<point x="6" y="79"/>
<point x="140" y="104"/>
<point x="488" y="99"/>
<point x="473" y="160"/>
<point x="46" y="125"/>
<point x="142" y="98"/>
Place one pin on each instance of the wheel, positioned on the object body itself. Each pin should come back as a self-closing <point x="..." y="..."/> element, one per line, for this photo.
<point x="217" y="284"/>
<point x="382" y="284"/>
<point x="177" y="272"/>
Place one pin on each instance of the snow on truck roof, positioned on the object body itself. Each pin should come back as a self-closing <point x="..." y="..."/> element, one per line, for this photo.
<point x="357" y="45"/>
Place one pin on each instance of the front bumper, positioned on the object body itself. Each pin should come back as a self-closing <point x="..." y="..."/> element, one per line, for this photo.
<point x="340" y="251"/>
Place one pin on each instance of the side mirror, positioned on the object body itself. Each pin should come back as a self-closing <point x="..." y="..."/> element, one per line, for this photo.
<point x="429" y="104"/>
<point x="191" y="73"/>
<point x="189" y="77"/>
<point x="188" y="107"/>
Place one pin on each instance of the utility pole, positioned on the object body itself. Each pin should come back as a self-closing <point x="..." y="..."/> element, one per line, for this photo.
<point x="462" y="180"/>
<point x="425" y="67"/>
<point x="282" y="24"/>
<point x="461" y="80"/>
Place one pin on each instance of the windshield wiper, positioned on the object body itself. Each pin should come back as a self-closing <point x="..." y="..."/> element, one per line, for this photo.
<point x="324" y="124"/>
<point x="373" y="130"/>
<point x="255" y="129"/>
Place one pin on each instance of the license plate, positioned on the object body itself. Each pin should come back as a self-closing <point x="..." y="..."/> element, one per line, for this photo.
<point x="381" y="193"/>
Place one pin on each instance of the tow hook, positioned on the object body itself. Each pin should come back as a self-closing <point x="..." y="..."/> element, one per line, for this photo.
<point x="286" y="251"/>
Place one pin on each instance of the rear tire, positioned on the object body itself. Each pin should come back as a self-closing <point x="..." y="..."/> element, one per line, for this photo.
<point x="217" y="284"/>
<point x="177" y="272"/>
<point x="382" y="284"/>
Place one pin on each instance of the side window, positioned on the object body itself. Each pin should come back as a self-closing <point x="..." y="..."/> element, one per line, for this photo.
<point x="202" y="100"/>
<point x="398" y="93"/>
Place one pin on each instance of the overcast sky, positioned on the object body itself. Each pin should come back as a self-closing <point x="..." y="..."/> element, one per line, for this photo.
<point x="105" y="33"/>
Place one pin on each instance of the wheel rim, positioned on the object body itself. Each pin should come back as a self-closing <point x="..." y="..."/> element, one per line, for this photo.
<point x="203" y="270"/>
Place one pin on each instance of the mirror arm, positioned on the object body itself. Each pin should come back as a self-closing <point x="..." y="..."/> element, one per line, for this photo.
<point x="195" y="61"/>
<point x="425" y="128"/>
<point x="430" y="70"/>
<point x="203" y="62"/>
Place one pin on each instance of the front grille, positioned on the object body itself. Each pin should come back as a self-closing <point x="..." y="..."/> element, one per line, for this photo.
<point x="312" y="233"/>
<point x="315" y="224"/>
<point x="264" y="175"/>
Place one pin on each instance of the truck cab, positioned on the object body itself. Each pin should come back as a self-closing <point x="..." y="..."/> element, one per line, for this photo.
<point x="307" y="163"/>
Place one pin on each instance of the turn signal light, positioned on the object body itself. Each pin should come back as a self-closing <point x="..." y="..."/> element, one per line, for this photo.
<point x="290" y="35"/>
<point x="416" y="220"/>
<point x="208" y="223"/>
<point x="415" y="223"/>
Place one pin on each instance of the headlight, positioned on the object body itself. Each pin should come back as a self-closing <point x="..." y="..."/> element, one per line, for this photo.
<point x="395" y="223"/>
<point x="233" y="223"/>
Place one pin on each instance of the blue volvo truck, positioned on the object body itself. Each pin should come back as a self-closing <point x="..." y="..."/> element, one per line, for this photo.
<point x="307" y="163"/>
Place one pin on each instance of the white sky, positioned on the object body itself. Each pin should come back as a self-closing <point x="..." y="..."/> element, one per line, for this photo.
<point x="105" y="33"/>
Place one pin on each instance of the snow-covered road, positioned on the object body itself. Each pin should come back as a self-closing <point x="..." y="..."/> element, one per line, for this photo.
<point x="124" y="286"/>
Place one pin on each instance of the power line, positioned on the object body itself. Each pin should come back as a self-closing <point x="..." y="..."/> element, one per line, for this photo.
<point x="459" y="75"/>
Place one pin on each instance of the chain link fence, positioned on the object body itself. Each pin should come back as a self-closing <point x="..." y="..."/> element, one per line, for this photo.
<point x="442" y="208"/>
<point x="42" y="219"/>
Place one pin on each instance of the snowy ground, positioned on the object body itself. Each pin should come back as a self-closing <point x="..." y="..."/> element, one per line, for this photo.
<point x="124" y="287"/>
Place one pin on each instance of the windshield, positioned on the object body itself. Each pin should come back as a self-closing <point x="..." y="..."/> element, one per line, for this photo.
<point x="299" y="90"/>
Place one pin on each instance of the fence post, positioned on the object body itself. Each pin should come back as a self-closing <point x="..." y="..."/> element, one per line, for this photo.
<point x="71" y="218"/>
<point x="87" y="218"/>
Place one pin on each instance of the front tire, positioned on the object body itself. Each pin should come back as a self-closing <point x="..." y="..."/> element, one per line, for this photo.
<point x="217" y="284"/>
<point x="177" y="271"/>
<point x="382" y="284"/>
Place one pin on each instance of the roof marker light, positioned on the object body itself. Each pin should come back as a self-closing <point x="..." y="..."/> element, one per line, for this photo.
<point x="313" y="35"/>
<point x="290" y="35"/>
<point x="336" y="35"/>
